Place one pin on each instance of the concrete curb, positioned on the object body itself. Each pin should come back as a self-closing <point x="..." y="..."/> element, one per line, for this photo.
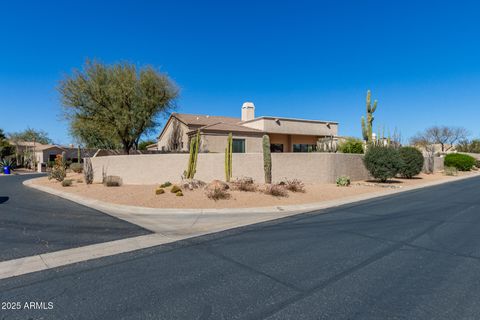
<point x="110" y="207"/>
<point x="171" y="225"/>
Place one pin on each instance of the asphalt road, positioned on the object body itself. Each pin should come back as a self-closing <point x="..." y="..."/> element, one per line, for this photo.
<point x="415" y="255"/>
<point x="33" y="222"/>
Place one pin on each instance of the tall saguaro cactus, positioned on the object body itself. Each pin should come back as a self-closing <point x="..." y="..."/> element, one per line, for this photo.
<point x="192" y="160"/>
<point x="367" y="124"/>
<point x="228" y="158"/>
<point x="267" y="159"/>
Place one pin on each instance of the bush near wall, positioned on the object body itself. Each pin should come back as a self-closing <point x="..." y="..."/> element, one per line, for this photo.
<point x="460" y="161"/>
<point x="412" y="162"/>
<point x="383" y="163"/>
<point x="351" y="145"/>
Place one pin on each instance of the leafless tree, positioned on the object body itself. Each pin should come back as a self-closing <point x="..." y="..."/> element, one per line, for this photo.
<point x="445" y="136"/>
<point x="175" y="139"/>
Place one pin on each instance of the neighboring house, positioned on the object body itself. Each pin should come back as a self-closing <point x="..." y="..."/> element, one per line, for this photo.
<point x="45" y="153"/>
<point x="286" y="134"/>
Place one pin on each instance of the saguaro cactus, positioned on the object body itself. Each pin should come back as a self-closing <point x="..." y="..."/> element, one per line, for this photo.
<point x="192" y="160"/>
<point x="267" y="159"/>
<point x="228" y="158"/>
<point x="367" y="124"/>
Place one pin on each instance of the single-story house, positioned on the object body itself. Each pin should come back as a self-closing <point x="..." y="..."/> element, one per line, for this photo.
<point x="286" y="134"/>
<point x="46" y="153"/>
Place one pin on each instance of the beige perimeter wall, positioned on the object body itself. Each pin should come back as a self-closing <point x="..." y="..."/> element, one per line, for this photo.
<point x="158" y="168"/>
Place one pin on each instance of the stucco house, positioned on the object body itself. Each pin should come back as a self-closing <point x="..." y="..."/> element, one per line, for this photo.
<point x="45" y="153"/>
<point x="286" y="134"/>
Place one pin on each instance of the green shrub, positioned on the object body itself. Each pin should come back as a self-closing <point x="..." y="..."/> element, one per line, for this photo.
<point x="383" y="163"/>
<point x="66" y="183"/>
<point x="159" y="191"/>
<point x="76" y="167"/>
<point x="450" y="171"/>
<point x="412" y="162"/>
<point x="179" y="193"/>
<point x="351" y="145"/>
<point x="112" y="181"/>
<point x="175" y="189"/>
<point x="460" y="161"/>
<point x="343" y="181"/>
<point x="166" y="184"/>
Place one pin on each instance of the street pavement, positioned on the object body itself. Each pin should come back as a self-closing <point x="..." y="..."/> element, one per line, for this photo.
<point x="33" y="222"/>
<point x="413" y="255"/>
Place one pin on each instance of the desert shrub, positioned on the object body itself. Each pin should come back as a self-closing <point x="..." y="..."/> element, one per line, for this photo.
<point x="217" y="194"/>
<point x="412" y="160"/>
<point x="175" y="189"/>
<point x="166" y="184"/>
<point x="343" y="181"/>
<point x="245" y="184"/>
<point x="66" y="183"/>
<point x="477" y="164"/>
<point x="112" y="181"/>
<point x="294" y="185"/>
<point x="351" y="145"/>
<point x="76" y="167"/>
<point x="460" y="161"/>
<point x="383" y="163"/>
<point x="276" y="190"/>
<point x="58" y="171"/>
<point x="179" y="193"/>
<point x="159" y="191"/>
<point x="191" y="184"/>
<point x="450" y="171"/>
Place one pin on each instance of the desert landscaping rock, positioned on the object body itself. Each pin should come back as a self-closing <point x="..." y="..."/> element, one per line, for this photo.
<point x="217" y="184"/>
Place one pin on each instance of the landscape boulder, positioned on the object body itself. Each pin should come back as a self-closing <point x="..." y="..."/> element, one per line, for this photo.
<point x="217" y="184"/>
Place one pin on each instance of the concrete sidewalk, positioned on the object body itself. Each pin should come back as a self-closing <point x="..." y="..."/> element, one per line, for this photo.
<point x="172" y="225"/>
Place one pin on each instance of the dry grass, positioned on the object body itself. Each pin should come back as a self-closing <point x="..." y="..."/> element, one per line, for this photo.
<point x="294" y="185"/>
<point x="217" y="194"/>
<point x="276" y="190"/>
<point x="245" y="184"/>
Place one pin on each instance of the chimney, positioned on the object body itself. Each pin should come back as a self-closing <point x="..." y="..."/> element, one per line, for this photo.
<point x="248" y="111"/>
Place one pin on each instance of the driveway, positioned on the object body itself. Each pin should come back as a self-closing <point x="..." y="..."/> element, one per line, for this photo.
<point x="34" y="222"/>
<point x="414" y="255"/>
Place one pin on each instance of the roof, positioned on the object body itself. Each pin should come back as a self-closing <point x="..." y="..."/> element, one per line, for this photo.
<point x="227" y="127"/>
<point x="203" y="120"/>
<point x="290" y="119"/>
<point x="26" y="143"/>
<point x="47" y="146"/>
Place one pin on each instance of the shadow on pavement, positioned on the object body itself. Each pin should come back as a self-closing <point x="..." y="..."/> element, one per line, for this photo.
<point x="3" y="199"/>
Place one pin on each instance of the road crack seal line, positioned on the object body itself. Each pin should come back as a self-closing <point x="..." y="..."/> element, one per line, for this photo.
<point x="247" y="267"/>
<point x="274" y="309"/>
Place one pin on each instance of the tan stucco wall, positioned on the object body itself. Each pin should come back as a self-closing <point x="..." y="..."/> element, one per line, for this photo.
<point x="294" y="127"/>
<point x="163" y="141"/>
<point x="212" y="142"/>
<point x="281" y="139"/>
<point x="158" y="168"/>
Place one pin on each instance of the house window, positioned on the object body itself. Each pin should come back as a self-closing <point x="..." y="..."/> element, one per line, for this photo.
<point x="301" y="147"/>
<point x="276" y="147"/>
<point x="238" y="146"/>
